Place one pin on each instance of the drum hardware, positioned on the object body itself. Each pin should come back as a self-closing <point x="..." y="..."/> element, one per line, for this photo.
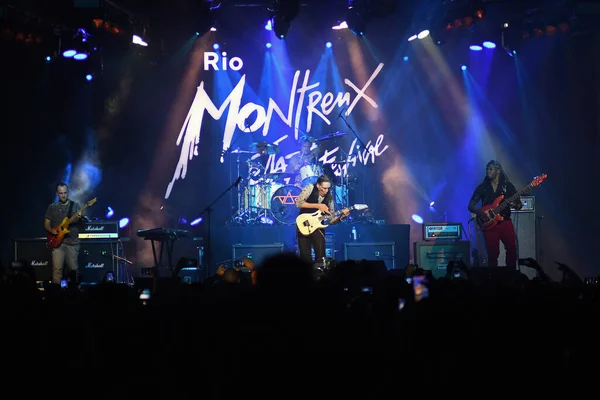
<point x="264" y="147"/>
<point x="333" y="135"/>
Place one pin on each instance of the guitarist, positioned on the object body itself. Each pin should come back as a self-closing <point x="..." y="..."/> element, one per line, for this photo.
<point x="495" y="184"/>
<point x="312" y="198"/>
<point x="68" y="251"/>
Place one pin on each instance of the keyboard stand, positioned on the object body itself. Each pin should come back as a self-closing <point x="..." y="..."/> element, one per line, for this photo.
<point x="169" y="243"/>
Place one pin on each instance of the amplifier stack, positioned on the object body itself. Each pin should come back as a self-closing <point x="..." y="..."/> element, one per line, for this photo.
<point x="100" y="252"/>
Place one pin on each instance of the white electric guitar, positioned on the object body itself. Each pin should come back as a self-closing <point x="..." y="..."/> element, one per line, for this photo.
<point x="308" y="223"/>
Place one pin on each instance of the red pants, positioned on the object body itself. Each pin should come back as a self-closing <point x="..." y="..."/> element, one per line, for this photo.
<point x="504" y="231"/>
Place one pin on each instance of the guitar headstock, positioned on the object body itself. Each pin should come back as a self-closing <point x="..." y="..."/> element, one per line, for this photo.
<point x="538" y="180"/>
<point x="91" y="202"/>
<point x="359" y="207"/>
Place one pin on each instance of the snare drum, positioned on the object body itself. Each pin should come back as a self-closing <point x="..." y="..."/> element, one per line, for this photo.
<point x="309" y="173"/>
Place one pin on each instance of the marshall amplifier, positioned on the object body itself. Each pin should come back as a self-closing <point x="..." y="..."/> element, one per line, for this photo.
<point x="100" y="230"/>
<point x="96" y="259"/>
<point x="35" y="252"/>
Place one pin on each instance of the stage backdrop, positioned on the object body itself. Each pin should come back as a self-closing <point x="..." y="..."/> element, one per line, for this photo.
<point x="412" y="130"/>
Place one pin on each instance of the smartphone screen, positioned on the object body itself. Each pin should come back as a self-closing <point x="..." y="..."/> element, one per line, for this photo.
<point x="145" y="295"/>
<point x="420" y="287"/>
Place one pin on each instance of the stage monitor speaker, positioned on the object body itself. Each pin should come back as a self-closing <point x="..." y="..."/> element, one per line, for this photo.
<point x="35" y="252"/>
<point x="435" y="256"/>
<point x="372" y="251"/>
<point x="96" y="259"/>
<point x="525" y="231"/>
<point x="256" y="252"/>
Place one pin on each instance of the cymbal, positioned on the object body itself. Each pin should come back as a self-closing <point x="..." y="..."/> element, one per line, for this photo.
<point x="309" y="138"/>
<point x="264" y="147"/>
<point x="239" y="151"/>
<point x="331" y="135"/>
<point x="279" y="175"/>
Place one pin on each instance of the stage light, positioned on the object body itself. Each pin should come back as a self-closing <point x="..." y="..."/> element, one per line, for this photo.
<point x="268" y="45"/>
<point x="109" y="212"/>
<point x="413" y="37"/>
<point x="405" y="58"/>
<point x="69" y="53"/>
<point x="269" y="25"/>
<point x="423" y="34"/>
<point x="216" y="46"/>
<point x="489" y="45"/>
<point x="417" y="218"/>
<point x="138" y="40"/>
<point x="48" y="58"/>
<point x="463" y="67"/>
<point x="328" y="45"/>
<point x="89" y="77"/>
<point x="197" y="33"/>
<point x="283" y="13"/>
<point x="340" y="26"/>
<point x="80" y="56"/>
<point x="123" y="222"/>
<point x="432" y="204"/>
<point x="213" y="29"/>
<point x="196" y="221"/>
<point x="475" y="47"/>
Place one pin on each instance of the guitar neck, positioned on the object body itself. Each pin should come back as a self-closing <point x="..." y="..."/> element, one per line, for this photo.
<point x="512" y="198"/>
<point x="74" y="216"/>
<point x="335" y="214"/>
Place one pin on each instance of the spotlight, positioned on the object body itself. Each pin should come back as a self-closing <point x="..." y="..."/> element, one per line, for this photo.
<point x="328" y="45"/>
<point x="413" y="37"/>
<point x="196" y="221"/>
<point x="206" y="20"/>
<point x="269" y="45"/>
<point x="269" y="26"/>
<point x="475" y="47"/>
<point x="138" y="40"/>
<point x="69" y="53"/>
<point x="80" y="56"/>
<point x="213" y="29"/>
<point x="109" y="212"/>
<point x="432" y="204"/>
<point x="489" y="45"/>
<point x="48" y="58"/>
<point x="463" y="67"/>
<point x="123" y="222"/>
<point x="405" y="58"/>
<point x="340" y="26"/>
<point x="89" y="77"/>
<point x="423" y="34"/>
<point x="417" y="218"/>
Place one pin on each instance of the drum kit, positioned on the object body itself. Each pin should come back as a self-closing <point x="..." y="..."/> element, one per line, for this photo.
<point x="268" y="198"/>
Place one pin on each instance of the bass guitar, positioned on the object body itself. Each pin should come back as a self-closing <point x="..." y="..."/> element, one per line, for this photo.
<point x="308" y="223"/>
<point x="492" y="211"/>
<point x="54" y="241"/>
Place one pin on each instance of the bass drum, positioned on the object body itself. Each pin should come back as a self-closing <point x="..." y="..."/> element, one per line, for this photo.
<point x="283" y="204"/>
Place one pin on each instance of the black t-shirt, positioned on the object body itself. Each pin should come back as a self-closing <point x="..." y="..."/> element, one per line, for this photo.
<point x="486" y="194"/>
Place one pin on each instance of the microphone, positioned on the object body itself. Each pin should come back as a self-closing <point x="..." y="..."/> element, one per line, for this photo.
<point x="341" y="112"/>
<point x="237" y="181"/>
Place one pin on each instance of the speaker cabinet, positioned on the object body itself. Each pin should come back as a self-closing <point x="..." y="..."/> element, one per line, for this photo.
<point x="35" y="252"/>
<point x="96" y="259"/>
<point x="256" y="252"/>
<point x="525" y="231"/>
<point x="372" y="251"/>
<point x="435" y="256"/>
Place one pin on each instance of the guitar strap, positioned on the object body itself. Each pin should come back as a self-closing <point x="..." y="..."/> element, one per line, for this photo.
<point x="70" y="212"/>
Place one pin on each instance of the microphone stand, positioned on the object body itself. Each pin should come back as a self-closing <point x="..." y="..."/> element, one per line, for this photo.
<point x="208" y="210"/>
<point x="352" y="130"/>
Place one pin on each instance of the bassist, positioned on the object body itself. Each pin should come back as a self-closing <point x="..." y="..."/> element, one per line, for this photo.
<point x="68" y="251"/>
<point x="316" y="197"/>
<point x="495" y="184"/>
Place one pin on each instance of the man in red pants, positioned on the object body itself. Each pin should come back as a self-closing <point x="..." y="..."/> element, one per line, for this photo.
<point x="495" y="184"/>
